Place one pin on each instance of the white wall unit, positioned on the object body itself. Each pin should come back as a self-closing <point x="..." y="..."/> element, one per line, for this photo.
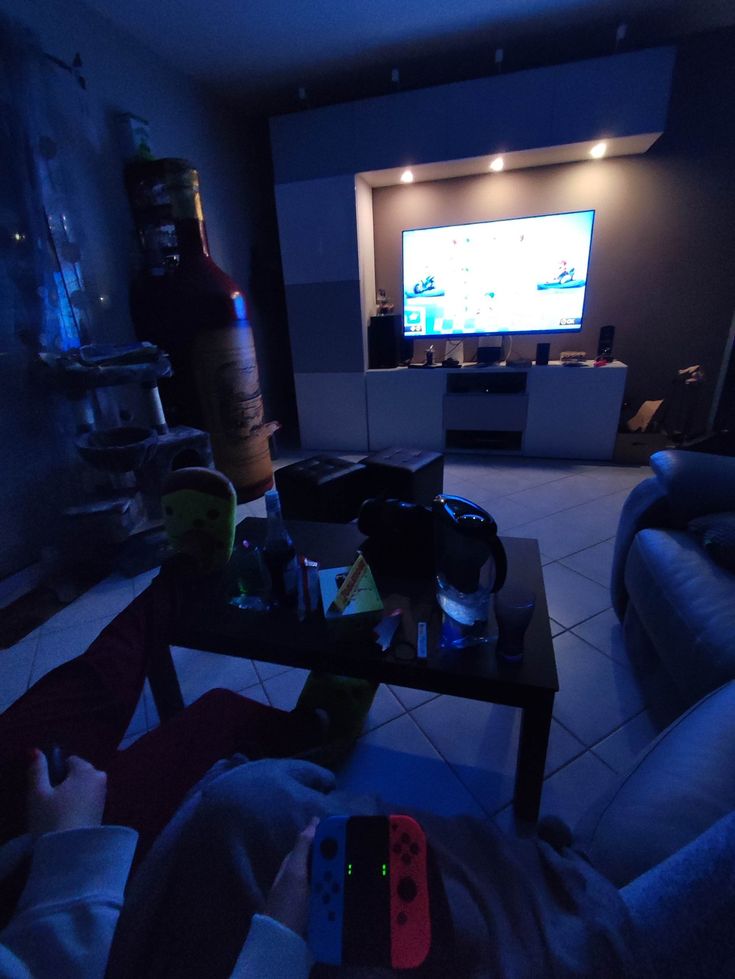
<point x="554" y="411"/>
<point x="332" y="411"/>
<point x="573" y="412"/>
<point x="405" y="407"/>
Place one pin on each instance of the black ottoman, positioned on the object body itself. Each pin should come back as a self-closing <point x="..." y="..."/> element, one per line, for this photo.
<point x="412" y="475"/>
<point x="321" y="488"/>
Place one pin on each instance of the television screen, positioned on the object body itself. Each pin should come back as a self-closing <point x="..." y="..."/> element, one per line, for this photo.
<point x="520" y="275"/>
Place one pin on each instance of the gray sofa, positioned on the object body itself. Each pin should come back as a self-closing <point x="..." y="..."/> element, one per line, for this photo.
<point x="676" y="602"/>
<point x="677" y="606"/>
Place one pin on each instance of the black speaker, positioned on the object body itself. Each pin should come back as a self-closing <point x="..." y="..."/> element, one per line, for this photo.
<point x="605" y="345"/>
<point x="542" y="354"/>
<point x="387" y="347"/>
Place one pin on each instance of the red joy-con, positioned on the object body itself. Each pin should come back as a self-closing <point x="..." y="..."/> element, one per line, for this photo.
<point x="410" y="924"/>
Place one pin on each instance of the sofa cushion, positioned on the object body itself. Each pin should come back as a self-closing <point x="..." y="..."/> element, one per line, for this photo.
<point x="686" y="604"/>
<point x="679" y="786"/>
<point x="716" y="533"/>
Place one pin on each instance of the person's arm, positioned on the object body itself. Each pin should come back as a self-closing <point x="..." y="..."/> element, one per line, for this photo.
<point x="275" y="946"/>
<point x="67" y="914"/>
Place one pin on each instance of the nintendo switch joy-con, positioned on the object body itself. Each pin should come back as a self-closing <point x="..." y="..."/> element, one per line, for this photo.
<point x="326" y="902"/>
<point x="369" y="902"/>
<point x="409" y="894"/>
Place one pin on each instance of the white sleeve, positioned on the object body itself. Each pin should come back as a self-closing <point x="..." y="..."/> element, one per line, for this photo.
<point x="272" y="951"/>
<point x="68" y="911"/>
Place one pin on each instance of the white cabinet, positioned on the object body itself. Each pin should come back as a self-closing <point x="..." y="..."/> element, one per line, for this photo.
<point x="553" y="411"/>
<point x="573" y="412"/>
<point x="405" y="407"/>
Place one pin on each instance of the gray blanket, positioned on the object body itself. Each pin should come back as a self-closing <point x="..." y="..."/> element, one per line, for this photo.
<point x="517" y="909"/>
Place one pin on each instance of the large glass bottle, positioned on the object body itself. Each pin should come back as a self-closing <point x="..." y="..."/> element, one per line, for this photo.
<point x="185" y="303"/>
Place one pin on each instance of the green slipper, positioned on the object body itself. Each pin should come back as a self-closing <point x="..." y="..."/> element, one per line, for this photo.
<point x="346" y="700"/>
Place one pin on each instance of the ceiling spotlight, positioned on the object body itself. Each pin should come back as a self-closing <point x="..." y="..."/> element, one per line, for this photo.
<point x="598" y="150"/>
<point x="407" y="177"/>
<point x="497" y="164"/>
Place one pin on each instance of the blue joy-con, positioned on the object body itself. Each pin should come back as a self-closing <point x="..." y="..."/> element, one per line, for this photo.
<point x="326" y="901"/>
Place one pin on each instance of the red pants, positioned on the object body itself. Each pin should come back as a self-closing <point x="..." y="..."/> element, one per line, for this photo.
<point x="85" y="707"/>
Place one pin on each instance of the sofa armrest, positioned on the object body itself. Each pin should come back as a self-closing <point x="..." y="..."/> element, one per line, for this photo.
<point x="646" y="506"/>
<point x="696" y="483"/>
<point x="680" y="785"/>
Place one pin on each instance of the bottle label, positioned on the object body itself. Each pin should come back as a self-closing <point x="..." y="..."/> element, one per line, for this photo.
<point x="229" y="391"/>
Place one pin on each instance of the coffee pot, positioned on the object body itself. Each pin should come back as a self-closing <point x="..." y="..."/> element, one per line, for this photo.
<point x="471" y="565"/>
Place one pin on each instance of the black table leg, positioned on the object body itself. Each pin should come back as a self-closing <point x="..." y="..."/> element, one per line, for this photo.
<point x="164" y="682"/>
<point x="534" y="740"/>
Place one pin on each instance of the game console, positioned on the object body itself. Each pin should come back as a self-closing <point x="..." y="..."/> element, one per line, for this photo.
<point x="369" y="900"/>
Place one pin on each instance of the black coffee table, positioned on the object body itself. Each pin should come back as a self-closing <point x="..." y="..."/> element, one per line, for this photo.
<point x="211" y="624"/>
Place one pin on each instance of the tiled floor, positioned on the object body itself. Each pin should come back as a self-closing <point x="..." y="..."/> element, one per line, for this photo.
<point x="438" y="752"/>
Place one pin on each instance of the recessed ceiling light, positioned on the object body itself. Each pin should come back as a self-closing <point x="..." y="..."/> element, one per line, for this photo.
<point x="497" y="164"/>
<point x="598" y="150"/>
<point x="407" y="177"/>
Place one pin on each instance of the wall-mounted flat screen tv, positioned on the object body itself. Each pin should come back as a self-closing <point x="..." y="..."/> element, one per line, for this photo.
<point x="519" y="275"/>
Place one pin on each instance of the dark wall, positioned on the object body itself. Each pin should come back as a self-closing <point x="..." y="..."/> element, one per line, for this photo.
<point x="663" y="252"/>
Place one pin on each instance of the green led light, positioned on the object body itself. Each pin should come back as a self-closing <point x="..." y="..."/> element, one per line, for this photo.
<point x="349" y="869"/>
<point x="385" y="870"/>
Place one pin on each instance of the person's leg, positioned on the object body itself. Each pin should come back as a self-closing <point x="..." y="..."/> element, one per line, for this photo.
<point x="682" y="910"/>
<point x="84" y="706"/>
<point x="148" y="781"/>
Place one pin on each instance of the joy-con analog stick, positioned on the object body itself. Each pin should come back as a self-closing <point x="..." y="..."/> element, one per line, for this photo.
<point x="329" y="848"/>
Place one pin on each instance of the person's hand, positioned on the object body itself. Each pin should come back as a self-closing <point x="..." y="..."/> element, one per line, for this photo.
<point x="75" y="803"/>
<point x="288" y="901"/>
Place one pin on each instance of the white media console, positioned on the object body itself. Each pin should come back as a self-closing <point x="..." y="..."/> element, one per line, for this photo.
<point x="555" y="411"/>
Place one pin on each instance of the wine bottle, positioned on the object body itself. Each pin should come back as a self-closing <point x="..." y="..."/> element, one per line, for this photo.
<point x="183" y="302"/>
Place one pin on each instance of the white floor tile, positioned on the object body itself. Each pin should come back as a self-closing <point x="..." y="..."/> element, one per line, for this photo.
<point x="60" y="645"/>
<point x="283" y="690"/>
<point x="569" y="531"/>
<point x="596" y="694"/>
<point x="141" y="581"/>
<point x="199" y="671"/>
<point x="267" y="670"/>
<point x="571" y="597"/>
<point x="605" y="633"/>
<point x="620" y="749"/>
<point x="256" y="692"/>
<point x="411" y="698"/>
<point x="593" y="562"/>
<point x="397" y="762"/>
<point x="104" y="600"/>
<point x="569" y="793"/>
<point x="561" y="494"/>
<point x="15" y="670"/>
<point x="556" y="627"/>
<point x="139" y="721"/>
<point x="480" y="741"/>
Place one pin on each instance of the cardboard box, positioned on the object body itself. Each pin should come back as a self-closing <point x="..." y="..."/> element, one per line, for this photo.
<point x="364" y="609"/>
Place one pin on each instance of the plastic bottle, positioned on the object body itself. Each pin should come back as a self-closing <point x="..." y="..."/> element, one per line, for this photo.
<point x="279" y="552"/>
